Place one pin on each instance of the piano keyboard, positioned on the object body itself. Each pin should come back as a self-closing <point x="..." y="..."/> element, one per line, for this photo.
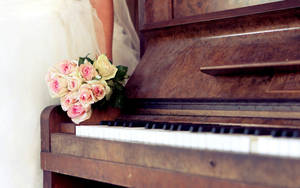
<point x="283" y="142"/>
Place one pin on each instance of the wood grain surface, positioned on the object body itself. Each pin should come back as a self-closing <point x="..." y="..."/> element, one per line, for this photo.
<point x="222" y="13"/>
<point x="196" y="7"/>
<point x="170" y="67"/>
<point x="251" y="169"/>
<point x="157" y="11"/>
<point x="253" y="68"/>
<point x="131" y="175"/>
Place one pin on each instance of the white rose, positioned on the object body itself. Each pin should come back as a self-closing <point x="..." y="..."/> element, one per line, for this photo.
<point x="105" y="68"/>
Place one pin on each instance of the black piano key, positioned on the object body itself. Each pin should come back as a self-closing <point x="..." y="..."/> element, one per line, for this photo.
<point x="225" y="129"/>
<point x="205" y="128"/>
<point x="296" y="134"/>
<point x="284" y="133"/>
<point x="109" y="123"/>
<point x="179" y="127"/>
<point x="125" y="124"/>
<point x="173" y="127"/>
<point x="157" y="125"/>
<point x="216" y="129"/>
<point x="275" y="132"/>
<point x="237" y="130"/>
<point x="130" y="124"/>
<point x="116" y="123"/>
<point x="166" y="126"/>
<point x="186" y="127"/>
<point x="249" y="131"/>
<point x="139" y="123"/>
<point x="287" y="133"/>
<point x="148" y="126"/>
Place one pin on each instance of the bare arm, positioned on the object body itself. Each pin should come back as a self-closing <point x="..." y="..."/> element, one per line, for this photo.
<point x="105" y="12"/>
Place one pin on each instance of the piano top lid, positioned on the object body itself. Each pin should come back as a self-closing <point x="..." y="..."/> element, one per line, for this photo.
<point x="171" y="65"/>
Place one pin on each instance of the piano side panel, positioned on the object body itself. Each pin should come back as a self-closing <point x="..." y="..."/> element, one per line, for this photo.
<point x="51" y="118"/>
<point x="170" y="67"/>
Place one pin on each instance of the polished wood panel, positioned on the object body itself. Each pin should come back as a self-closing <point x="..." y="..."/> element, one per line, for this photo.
<point x="176" y="55"/>
<point x="51" y="118"/>
<point x="130" y="175"/>
<point x="230" y="166"/>
<point x="225" y="14"/>
<point x="224" y="113"/>
<point x="196" y="7"/>
<point x="99" y="114"/>
<point x="157" y="11"/>
<point x="263" y="68"/>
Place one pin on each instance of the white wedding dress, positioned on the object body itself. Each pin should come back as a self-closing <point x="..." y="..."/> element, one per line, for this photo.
<point x="35" y="34"/>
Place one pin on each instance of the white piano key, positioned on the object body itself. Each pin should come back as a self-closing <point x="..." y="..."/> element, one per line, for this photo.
<point x="226" y="144"/>
<point x="284" y="146"/>
<point x="264" y="145"/>
<point x="186" y="139"/>
<point x="294" y="148"/>
<point x="240" y="143"/>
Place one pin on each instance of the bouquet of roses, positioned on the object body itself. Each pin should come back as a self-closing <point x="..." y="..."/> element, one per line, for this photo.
<point x="79" y="84"/>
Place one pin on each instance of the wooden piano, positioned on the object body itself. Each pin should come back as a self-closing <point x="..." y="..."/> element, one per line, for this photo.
<point x="222" y="77"/>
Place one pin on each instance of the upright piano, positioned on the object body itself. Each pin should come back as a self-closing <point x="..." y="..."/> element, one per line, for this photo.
<point x="214" y="102"/>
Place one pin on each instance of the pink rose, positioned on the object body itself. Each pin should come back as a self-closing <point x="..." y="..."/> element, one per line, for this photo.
<point x="86" y="96"/>
<point x="74" y="83"/>
<point x="50" y="74"/>
<point x="87" y="71"/>
<point x="78" y="113"/>
<point x="66" y="67"/>
<point x="57" y="86"/>
<point x="98" y="91"/>
<point x="68" y="100"/>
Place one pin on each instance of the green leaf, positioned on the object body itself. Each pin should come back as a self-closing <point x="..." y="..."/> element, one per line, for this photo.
<point x="100" y="104"/>
<point x="118" y="87"/>
<point x="110" y="83"/>
<point x="121" y="73"/>
<point x="89" y="60"/>
<point x="81" y="61"/>
<point x="118" y="101"/>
